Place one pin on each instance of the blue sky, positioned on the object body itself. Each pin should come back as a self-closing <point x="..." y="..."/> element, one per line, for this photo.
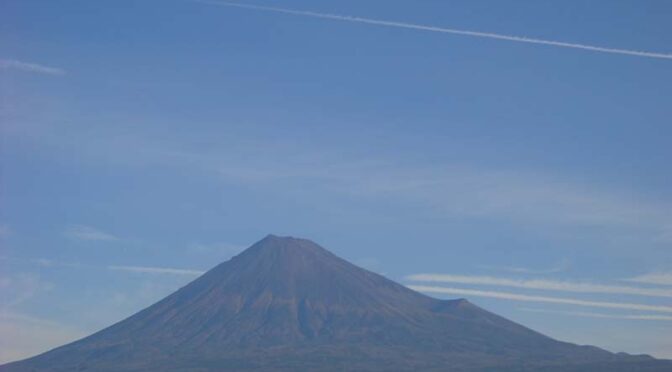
<point x="146" y="141"/>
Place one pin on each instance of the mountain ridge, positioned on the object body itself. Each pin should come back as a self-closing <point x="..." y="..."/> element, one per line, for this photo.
<point x="288" y="304"/>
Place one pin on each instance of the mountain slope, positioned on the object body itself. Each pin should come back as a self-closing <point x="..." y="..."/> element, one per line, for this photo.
<point x="289" y="304"/>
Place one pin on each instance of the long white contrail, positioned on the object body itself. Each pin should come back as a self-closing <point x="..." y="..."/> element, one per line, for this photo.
<point x="488" y="35"/>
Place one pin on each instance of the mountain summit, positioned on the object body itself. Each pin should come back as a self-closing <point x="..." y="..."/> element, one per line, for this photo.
<point x="289" y="304"/>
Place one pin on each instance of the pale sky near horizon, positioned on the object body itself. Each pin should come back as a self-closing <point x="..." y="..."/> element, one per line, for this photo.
<point x="144" y="142"/>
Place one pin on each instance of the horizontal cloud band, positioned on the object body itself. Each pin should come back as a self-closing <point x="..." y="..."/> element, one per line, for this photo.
<point x="527" y="298"/>
<point x="600" y="315"/>
<point x="156" y="270"/>
<point x="657" y="278"/>
<point x="551" y="285"/>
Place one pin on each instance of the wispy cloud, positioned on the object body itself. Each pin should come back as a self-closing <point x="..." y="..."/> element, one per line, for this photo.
<point x="517" y="196"/>
<point x="545" y="299"/>
<point x="599" y="315"/>
<point x="478" y="34"/>
<point x="45" y="262"/>
<point x="449" y="189"/>
<point x="12" y="64"/>
<point x="82" y="232"/>
<point x="525" y="197"/>
<point x="549" y="285"/>
<point x="559" y="267"/>
<point x="660" y="278"/>
<point x="30" y="283"/>
<point x="19" y="288"/>
<point x="157" y="270"/>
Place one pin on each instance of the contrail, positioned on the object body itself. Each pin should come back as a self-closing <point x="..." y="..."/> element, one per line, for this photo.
<point x="8" y="64"/>
<point x="487" y="35"/>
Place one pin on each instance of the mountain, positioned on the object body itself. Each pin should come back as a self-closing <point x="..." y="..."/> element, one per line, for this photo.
<point x="287" y="304"/>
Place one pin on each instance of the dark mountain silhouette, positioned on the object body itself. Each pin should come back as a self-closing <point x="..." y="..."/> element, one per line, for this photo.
<point x="289" y="304"/>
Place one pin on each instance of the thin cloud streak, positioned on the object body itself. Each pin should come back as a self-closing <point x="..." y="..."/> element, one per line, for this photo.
<point x="659" y="278"/>
<point x="20" y="288"/>
<point x="560" y="267"/>
<point x="545" y="299"/>
<point x="82" y="232"/>
<point x="43" y="262"/>
<point x="550" y="285"/>
<point x="157" y="270"/>
<point x="488" y="35"/>
<point x="12" y="64"/>
<point x="598" y="315"/>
